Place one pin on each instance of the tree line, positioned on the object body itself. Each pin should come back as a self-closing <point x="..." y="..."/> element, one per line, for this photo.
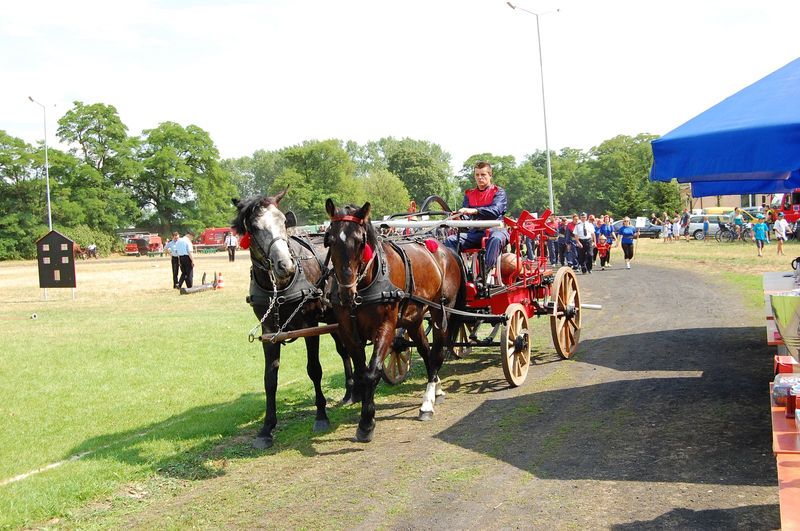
<point x="171" y="177"/>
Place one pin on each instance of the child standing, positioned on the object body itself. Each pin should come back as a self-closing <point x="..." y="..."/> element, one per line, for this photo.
<point x="760" y="233"/>
<point x="705" y="228"/>
<point x="781" y="228"/>
<point x="676" y="229"/>
<point x="602" y="251"/>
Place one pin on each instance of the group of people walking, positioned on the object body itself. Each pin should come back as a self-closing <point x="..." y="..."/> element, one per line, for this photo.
<point x="584" y="239"/>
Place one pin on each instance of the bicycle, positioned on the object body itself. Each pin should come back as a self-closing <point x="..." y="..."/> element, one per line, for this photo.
<point x="726" y="233"/>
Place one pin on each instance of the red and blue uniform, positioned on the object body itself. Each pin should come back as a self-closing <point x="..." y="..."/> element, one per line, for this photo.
<point x="491" y="203"/>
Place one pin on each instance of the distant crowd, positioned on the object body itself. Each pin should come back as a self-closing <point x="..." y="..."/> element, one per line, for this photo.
<point x="580" y="241"/>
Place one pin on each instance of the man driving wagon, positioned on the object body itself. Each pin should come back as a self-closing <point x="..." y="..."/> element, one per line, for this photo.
<point x="486" y="201"/>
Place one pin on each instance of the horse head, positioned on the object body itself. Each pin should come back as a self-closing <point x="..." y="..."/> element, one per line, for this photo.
<point x="262" y="220"/>
<point x="352" y="242"/>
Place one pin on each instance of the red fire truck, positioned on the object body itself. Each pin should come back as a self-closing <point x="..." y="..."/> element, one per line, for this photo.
<point x="211" y="239"/>
<point x="144" y="244"/>
<point x="788" y="203"/>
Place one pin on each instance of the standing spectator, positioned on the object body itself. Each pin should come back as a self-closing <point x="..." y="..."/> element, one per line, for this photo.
<point x="585" y="239"/>
<point x="760" y="233"/>
<point x="170" y="248"/>
<point x="685" y="224"/>
<point x="571" y="251"/>
<point x="185" y="253"/>
<point x="705" y="228"/>
<point x="666" y="230"/>
<point x="781" y="228"/>
<point x="552" y="241"/>
<point x="627" y="236"/>
<point x="603" y="248"/>
<point x="654" y="219"/>
<point x="231" y="242"/>
<point x="676" y="229"/>
<point x="738" y="222"/>
<point x="561" y="240"/>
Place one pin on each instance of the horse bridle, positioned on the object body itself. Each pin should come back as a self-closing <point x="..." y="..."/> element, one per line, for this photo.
<point x="264" y="254"/>
<point x="362" y="272"/>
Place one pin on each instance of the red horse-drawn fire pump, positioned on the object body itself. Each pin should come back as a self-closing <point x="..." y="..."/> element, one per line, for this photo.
<point x="520" y="290"/>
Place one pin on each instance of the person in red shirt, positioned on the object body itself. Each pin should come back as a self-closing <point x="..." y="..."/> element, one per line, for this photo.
<point x="486" y="201"/>
<point x="602" y="251"/>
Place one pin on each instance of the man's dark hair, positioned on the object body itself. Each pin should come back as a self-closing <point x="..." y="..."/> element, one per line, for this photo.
<point x="483" y="164"/>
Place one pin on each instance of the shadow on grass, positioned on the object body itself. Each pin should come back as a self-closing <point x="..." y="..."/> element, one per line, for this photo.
<point x="711" y="427"/>
<point x="196" y="443"/>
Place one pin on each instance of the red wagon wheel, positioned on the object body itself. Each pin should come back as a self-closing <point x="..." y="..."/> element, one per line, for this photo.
<point x="565" y="321"/>
<point x="515" y="345"/>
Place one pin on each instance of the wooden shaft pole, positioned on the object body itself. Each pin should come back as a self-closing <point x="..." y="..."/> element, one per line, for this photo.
<point x="303" y="332"/>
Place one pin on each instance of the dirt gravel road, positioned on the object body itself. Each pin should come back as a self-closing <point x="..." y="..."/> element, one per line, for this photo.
<point x="660" y="421"/>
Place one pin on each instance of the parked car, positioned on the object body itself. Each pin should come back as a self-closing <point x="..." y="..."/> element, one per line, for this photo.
<point x="650" y="230"/>
<point x="696" y="225"/>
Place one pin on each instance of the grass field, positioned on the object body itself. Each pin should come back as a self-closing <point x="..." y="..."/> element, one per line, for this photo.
<point x="131" y="387"/>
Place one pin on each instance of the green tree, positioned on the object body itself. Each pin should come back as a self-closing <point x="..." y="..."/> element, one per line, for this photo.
<point x="386" y="192"/>
<point x="182" y="184"/>
<point x="621" y="166"/>
<point x="82" y="196"/>
<point x="23" y="203"/>
<point x="255" y="175"/>
<point x="316" y="170"/>
<point x="98" y="137"/>
<point x="423" y="166"/>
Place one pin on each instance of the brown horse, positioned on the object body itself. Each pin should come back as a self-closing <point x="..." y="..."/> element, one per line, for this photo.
<point x="287" y="292"/>
<point x="381" y="286"/>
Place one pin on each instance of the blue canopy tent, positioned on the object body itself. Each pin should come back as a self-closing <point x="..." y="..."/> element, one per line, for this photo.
<point x="748" y="143"/>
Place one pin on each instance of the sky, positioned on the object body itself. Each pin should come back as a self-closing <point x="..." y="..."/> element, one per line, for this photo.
<point x="463" y="74"/>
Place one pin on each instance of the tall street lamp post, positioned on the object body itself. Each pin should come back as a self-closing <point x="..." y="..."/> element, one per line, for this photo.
<point x="544" y="106"/>
<point x="46" y="164"/>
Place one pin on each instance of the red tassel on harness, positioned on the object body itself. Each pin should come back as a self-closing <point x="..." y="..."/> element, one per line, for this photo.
<point x="244" y="243"/>
<point x="366" y="256"/>
<point x="432" y="245"/>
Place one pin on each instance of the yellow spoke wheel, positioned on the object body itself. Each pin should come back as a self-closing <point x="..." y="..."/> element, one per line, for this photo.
<point x="515" y="345"/>
<point x="565" y="319"/>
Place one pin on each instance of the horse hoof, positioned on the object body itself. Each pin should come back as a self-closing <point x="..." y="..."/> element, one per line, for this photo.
<point x="262" y="443"/>
<point x="364" y="436"/>
<point x="425" y="415"/>
<point x="440" y="399"/>
<point x="322" y="425"/>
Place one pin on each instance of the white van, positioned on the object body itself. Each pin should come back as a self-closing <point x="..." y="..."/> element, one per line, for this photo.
<point x="696" y="225"/>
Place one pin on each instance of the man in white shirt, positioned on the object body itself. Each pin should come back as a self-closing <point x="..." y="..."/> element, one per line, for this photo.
<point x="170" y="248"/>
<point x="185" y="252"/>
<point x="585" y="237"/>
<point x="231" y="242"/>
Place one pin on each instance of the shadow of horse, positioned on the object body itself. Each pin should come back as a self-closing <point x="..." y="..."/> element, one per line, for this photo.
<point x="205" y="436"/>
